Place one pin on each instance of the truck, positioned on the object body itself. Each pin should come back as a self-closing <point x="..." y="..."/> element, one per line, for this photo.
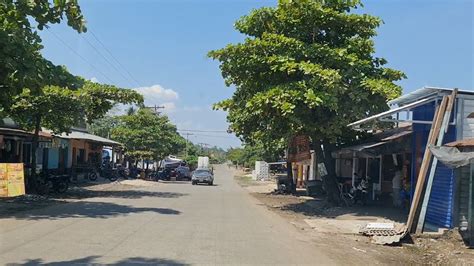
<point x="203" y="162"/>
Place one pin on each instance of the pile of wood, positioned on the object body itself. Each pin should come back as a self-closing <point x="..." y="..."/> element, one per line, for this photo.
<point x="439" y="127"/>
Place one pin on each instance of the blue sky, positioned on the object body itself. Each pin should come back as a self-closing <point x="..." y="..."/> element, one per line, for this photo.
<point x="163" y="44"/>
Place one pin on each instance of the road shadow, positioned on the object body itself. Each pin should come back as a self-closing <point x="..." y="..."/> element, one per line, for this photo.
<point x="175" y="182"/>
<point x="320" y="208"/>
<point x="85" y="209"/>
<point x="82" y="193"/>
<point x="92" y="260"/>
<point x="206" y="185"/>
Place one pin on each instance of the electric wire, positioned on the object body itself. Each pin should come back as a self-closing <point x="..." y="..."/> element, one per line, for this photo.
<point x="113" y="57"/>
<point x="80" y="56"/>
<point x="105" y="59"/>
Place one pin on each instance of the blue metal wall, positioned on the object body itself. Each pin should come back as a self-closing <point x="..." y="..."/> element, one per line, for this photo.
<point x="440" y="206"/>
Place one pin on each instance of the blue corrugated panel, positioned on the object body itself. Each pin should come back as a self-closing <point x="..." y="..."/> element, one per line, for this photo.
<point x="440" y="206"/>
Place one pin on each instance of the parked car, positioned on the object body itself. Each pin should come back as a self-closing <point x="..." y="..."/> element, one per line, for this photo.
<point x="202" y="176"/>
<point x="183" y="172"/>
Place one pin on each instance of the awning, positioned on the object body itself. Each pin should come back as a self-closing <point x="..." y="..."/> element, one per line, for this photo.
<point x="361" y="147"/>
<point x="397" y="135"/>
<point x="89" y="137"/>
<point x="379" y="139"/>
<point x="392" y="112"/>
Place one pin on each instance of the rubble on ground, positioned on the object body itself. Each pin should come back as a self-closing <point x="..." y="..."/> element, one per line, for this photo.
<point x="138" y="183"/>
<point x="384" y="233"/>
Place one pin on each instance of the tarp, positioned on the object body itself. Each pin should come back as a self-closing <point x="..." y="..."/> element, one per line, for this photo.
<point x="451" y="156"/>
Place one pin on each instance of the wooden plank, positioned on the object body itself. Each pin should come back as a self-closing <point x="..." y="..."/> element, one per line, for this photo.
<point x="470" y="218"/>
<point x="434" y="164"/>
<point x="424" y="165"/>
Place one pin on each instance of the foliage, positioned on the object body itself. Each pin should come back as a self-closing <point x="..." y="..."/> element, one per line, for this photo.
<point x="97" y="99"/>
<point x="147" y="135"/>
<point x="21" y="63"/>
<point x="103" y="126"/>
<point x="247" y="155"/>
<point x="57" y="108"/>
<point x="306" y="67"/>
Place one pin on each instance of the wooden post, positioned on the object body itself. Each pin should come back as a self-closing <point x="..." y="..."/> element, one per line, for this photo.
<point x="470" y="218"/>
<point x="380" y="173"/>
<point x="434" y="164"/>
<point x="434" y="131"/>
<point x="353" y="167"/>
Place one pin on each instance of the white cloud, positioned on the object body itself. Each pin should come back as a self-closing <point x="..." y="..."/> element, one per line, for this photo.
<point x="94" y="79"/>
<point x="156" y="94"/>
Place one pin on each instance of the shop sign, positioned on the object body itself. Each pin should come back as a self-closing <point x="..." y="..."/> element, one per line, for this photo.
<point x="12" y="179"/>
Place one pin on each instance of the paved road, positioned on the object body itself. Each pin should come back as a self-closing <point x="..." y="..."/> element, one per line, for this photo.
<point x="172" y="223"/>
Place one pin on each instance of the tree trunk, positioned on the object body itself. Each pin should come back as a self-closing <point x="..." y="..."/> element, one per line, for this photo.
<point x="34" y="148"/>
<point x="289" y="171"/>
<point x="323" y="155"/>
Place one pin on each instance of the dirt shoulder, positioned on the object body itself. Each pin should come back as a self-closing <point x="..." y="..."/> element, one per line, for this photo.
<point x="336" y="229"/>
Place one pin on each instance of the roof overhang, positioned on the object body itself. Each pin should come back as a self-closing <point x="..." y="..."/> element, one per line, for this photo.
<point x="426" y="92"/>
<point x="412" y="100"/>
<point x="391" y="112"/>
<point x="79" y="135"/>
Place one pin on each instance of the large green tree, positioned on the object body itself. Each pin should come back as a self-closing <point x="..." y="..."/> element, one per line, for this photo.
<point x="307" y="67"/>
<point x="147" y="135"/>
<point x="21" y="63"/>
<point x="60" y="108"/>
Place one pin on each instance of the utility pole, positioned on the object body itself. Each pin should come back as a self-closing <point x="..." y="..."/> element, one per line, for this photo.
<point x="155" y="108"/>
<point x="203" y="145"/>
<point x="187" y="140"/>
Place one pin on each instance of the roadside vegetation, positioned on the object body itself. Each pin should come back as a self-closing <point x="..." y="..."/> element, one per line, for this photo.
<point x="306" y="68"/>
<point x="35" y="92"/>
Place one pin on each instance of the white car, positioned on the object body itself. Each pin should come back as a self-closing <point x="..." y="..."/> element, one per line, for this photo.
<point x="202" y="176"/>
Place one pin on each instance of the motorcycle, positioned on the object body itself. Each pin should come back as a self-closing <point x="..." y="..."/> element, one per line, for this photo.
<point x="48" y="182"/>
<point x="105" y="172"/>
<point x="357" y="193"/>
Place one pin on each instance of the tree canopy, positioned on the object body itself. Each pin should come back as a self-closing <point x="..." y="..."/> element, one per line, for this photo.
<point x="59" y="109"/>
<point x="307" y="66"/>
<point x="21" y="63"/>
<point x="147" y="135"/>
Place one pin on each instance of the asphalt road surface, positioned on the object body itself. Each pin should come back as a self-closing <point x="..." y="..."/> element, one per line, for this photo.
<point x="170" y="223"/>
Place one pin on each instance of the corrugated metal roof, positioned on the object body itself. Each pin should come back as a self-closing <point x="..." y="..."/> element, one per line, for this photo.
<point x="21" y="132"/>
<point x="423" y="93"/>
<point x="87" y="136"/>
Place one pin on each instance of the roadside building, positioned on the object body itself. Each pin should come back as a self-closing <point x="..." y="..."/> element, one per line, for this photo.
<point x="418" y="108"/>
<point x="464" y="201"/>
<point x="81" y="150"/>
<point x="377" y="159"/>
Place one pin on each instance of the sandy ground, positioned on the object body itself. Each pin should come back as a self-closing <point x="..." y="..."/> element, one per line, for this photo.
<point x="338" y="227"/>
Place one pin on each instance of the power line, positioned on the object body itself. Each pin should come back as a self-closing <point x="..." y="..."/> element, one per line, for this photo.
<point x="197" y="130"/>
<point x="79" y="55"/>
<point x="116" y="60"/>
<point x="105" y="58"/>
<point x="213" y="136"/>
